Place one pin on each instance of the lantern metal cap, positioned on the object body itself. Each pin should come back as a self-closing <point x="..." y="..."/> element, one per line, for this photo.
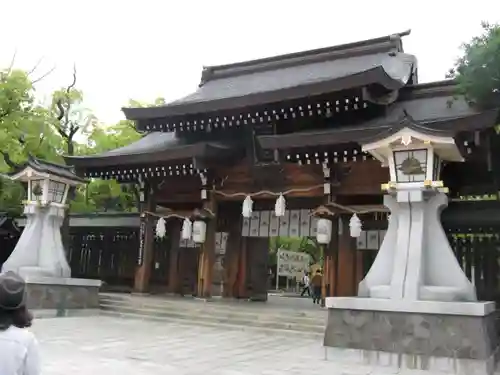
<point x="38" y="168"/>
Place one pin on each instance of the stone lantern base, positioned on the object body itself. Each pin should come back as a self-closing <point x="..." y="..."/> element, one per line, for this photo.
<point x="439" y="337"/>
<point x="61" y="296"/>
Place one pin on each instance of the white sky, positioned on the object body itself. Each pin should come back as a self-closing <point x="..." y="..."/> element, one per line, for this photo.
<point x="144" y="49"/>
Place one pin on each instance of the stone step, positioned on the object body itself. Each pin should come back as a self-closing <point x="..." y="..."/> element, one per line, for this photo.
<point x="203" y="323"/>
<point x="261" y="321"/>
<point x="306" y="323"/>
<point x="205" y="310"/>
<point x="313" y="313"/>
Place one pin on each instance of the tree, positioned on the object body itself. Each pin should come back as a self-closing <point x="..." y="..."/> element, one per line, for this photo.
<point x="24" y="129"/>
<point x="51" y="132"/>
<point x="477" y="72"/>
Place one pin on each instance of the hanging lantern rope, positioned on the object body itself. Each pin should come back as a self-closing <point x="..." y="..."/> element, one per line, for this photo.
<point x="247" y="209"/>
<point x="187" y="225"/>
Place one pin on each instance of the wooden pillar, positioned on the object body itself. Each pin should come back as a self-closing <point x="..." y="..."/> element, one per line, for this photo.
<point x="347" y="261"/>
<point x="232" y="257"/>
<point x="325" y="253"/>
<point x="331" y="259"/>
<point x="174" y="231"/>
<point x="146" y="239"/>
<point x="207" y="249"/>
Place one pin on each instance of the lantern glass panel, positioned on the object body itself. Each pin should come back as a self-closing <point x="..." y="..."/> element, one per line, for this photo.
<point x="36" y="189"/>
<point x="56" y="191"/>
<point x="411" y="165"/>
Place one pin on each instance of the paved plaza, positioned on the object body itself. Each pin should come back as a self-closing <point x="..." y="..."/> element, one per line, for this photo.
<point x="103" y="345"/>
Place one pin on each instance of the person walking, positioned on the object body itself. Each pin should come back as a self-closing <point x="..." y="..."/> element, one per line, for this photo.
<point x="316" y="284"/>
<point x="18" y="347"/>
<point x="306" y="287"/>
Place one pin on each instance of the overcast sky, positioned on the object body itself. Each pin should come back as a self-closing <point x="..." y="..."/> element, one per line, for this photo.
<point x="150" y="48"/>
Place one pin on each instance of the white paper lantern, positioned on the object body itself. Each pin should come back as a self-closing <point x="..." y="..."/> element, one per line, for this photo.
<point x="161" y="229"/>
<point x="280" y="206"/>
<point x="186" y="229"/>
<point x="355" y="226"/>
<point x="324" y="231"/>
<point x="199" y="231"/>
<point x="247" y="208"/>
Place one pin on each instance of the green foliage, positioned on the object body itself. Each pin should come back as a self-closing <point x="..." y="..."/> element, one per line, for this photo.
<point x="24" y="127"/>
<point x="478" y="70"/>
<point x="65" y="126"/>
<point x="299" y="244"/>
<point x="11" y="196"/>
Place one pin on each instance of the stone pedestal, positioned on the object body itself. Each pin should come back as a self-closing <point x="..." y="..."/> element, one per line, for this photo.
<point x="61" y="295"/>
<point x="414" y="253"/>
<point x="440" y="337"/>
<point x="39" y="251"/>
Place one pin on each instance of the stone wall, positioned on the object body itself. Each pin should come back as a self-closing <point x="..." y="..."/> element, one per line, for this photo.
<point x="423" y="334"/>
<point x="62" y="296"/>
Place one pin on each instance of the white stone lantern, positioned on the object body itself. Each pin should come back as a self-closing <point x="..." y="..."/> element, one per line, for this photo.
<point x="415" y="246"/>
<point x="39" y="251"/>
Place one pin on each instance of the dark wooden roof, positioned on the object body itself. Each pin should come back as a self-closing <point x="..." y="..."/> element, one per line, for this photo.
<point x="44" y="166"/>
<point x="292" y="76"/>
<point x="428" y="108"/>
<point x="152" y="148"/>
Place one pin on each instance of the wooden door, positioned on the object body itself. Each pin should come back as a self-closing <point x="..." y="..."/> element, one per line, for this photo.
<point x="257" y="275"/>
<point x="188" y="270"/>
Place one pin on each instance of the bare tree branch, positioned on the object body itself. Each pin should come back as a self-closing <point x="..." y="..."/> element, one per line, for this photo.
<point x="12" y="61"/>
<point x="68" y="89"/>
<point x="43" y="75"/>
<point x="30" y="72"/>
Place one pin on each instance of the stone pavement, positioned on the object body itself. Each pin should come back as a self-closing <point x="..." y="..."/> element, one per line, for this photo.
<point x="101" y="345"/>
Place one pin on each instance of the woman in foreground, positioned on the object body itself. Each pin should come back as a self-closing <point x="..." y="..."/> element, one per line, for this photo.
<point x="18" y="346"/>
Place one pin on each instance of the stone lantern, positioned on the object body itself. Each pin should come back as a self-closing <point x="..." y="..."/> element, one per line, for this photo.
<point x="415" y="247"/>
<point x="39" y="251"/>
<point x="415" y="307"/>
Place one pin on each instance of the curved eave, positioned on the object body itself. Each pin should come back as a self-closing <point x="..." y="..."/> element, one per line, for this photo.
<point x="367" y="134"/>
<point x="185" y="152"/>
<point x="377" y="75"/>
<point x="45" y="168"/>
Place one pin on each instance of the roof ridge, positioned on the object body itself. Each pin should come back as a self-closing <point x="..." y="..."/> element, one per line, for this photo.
<point x="297" y="58"/>
<point x="34" y="159"/>
<point x="447" y="87"/>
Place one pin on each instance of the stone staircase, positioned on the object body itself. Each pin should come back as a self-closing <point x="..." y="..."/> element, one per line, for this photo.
<point x="273" y="317"/>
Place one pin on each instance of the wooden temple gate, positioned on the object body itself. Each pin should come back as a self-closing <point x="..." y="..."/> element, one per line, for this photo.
<point x="291" y="125"/>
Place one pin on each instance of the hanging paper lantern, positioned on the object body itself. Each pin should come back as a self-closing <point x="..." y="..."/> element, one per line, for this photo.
<point x="161" y="230"/>
<point x="199" y="231"/>
<point x="247" y="207"/>
<point x="280" y="206"/>
<point x="186" y="229"/>
<point x="324" y="231"/>
<point x="355" y="226"/>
